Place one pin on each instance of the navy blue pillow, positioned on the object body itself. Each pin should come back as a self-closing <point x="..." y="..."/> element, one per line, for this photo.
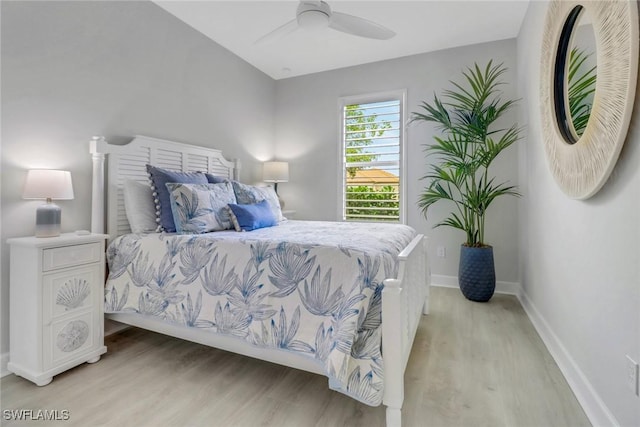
<point x="252" y="216"/>
<point x="215" y="179"/>
<point x="159" y="177"/>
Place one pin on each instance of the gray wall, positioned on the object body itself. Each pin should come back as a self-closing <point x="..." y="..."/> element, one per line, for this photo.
<point x="307" y="136"/>
<point x="580" y="263"/>
<point x="71" y="70"/>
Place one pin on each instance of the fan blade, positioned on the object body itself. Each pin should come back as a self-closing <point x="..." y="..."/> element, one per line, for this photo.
<point x="359" y="26"/>
<point x="279" y="32"/>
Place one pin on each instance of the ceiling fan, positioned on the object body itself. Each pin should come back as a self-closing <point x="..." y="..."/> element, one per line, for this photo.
<point x="318" y="15"/>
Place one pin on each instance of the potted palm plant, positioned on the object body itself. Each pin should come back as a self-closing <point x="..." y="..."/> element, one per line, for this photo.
<point x="460" y="173"/>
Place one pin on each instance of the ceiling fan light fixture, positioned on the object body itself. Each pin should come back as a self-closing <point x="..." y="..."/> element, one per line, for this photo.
<point x="313" y="19"/>
<point x="317" y="15"/>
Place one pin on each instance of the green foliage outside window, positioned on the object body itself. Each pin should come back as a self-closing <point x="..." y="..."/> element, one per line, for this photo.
<point x="361" y="129"/>
<point x="366" y="202"/>
<point x="381" y="202"/>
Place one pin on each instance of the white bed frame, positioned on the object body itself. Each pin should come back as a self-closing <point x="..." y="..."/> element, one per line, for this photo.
<point x="403" y="299"/>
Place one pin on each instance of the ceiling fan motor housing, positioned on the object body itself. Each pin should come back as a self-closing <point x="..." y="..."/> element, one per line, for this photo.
<point x="312" y="15"/>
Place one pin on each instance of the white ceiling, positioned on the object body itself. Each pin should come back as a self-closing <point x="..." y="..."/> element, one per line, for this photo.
<point x="420" y="26"/>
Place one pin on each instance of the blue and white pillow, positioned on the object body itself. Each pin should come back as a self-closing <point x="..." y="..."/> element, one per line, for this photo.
<point x="252" y="217"/>
<point x="201" y="208"/>
<point x="249" y="194"/>
<point x="159" y="177"/>
<point x="215" y="179"/>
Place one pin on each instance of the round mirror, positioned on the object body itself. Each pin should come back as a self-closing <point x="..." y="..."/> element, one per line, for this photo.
<point x="575" y="75"/>
<point x="584" y="120"/>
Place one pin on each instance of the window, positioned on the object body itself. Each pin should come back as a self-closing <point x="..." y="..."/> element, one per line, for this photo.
<point x="372" y="134"/>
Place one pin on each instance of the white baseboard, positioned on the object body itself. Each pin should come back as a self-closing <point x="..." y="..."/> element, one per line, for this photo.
<point x="510" y="288"/>
<point x="4" y="360"/>
<point x="592" y="404"/>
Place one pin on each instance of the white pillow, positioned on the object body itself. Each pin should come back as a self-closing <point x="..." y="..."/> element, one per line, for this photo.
<point x="139" y="207"/>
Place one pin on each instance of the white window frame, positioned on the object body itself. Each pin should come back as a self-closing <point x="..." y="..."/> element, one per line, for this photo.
<point x="400" y="95"/>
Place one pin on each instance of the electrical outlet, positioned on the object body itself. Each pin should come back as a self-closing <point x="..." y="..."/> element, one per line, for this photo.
<point x="632" y="376"/>
<point x="442" y="252"/>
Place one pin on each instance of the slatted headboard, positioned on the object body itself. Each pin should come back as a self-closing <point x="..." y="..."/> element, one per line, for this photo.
<point x="129" y="162"/>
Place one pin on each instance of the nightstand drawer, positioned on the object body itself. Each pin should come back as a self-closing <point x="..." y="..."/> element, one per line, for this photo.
<point x="68" y="256"/>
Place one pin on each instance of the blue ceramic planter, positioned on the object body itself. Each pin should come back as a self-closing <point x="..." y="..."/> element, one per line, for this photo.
<point x="476" y="273"/>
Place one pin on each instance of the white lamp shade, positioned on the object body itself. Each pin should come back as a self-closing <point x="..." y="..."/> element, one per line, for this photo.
<point x="276" y="172"/>
<point x="48" y="184"/>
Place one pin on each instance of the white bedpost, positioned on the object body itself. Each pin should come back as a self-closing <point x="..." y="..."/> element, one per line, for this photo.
<point x="403" y="301"/>
<point x="97" y="187"/>
<point x="392" y="351"/>
<point x="236" y="170"/>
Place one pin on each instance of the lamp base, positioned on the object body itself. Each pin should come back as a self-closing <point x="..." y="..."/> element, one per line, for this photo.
<point x="48" y="218"/>
<point x="275" y="188"/>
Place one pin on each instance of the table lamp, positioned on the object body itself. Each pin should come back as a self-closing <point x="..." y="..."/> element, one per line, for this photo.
<point x="49" y="185"/>
<point x="276" y="172"/>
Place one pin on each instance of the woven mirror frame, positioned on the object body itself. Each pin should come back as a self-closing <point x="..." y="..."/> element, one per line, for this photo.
<point x="582" y="166"/>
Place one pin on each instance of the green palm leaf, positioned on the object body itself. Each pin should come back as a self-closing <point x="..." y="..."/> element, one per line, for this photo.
<point x="461" y="156"/>
<point x="580" y="90"/>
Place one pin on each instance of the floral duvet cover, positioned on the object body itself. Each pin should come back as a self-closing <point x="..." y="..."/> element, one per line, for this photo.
<point x="303" y="286"/>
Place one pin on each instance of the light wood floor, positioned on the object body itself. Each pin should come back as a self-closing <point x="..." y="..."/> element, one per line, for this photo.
<point x="472" y="364"/>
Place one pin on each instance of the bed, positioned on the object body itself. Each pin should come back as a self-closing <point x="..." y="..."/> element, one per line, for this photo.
<point x="338" y="299"/>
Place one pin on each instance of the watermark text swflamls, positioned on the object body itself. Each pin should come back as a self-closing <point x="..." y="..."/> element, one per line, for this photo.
<point x="36" y="414"/>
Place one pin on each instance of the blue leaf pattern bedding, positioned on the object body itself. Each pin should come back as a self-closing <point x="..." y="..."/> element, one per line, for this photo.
<point x="309" y="287"/>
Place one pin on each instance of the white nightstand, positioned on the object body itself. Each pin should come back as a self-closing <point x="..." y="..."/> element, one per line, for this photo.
<point x="56" y="304"/>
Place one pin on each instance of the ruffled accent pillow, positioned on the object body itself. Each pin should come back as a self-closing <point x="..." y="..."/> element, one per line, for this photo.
<point x="252" y="217"/>
<point x="201" y="208"/>
<point x="249" y="194"/>
<point x="159" y="177"/>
